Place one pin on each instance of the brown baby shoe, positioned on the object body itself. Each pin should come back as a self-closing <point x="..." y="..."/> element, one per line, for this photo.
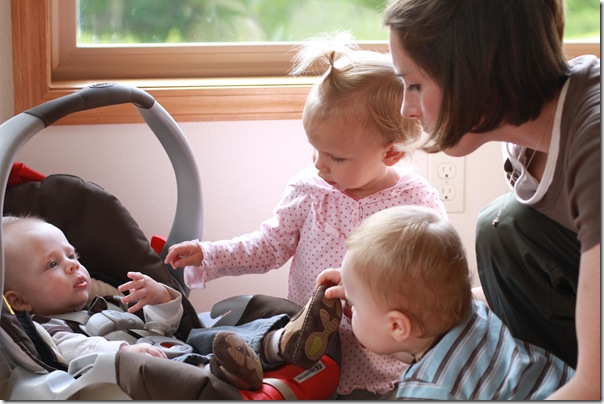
<point x="235" y="362"/>
<point x="306" y="337"/>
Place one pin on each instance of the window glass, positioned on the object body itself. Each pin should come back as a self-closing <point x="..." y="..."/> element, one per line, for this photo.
<point x="224" y="21"/>
<point x="238" y="21"/>
<point x="582" y="20"/>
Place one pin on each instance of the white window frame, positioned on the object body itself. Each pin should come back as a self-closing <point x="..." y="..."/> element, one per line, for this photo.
<point x="250" y="94"/>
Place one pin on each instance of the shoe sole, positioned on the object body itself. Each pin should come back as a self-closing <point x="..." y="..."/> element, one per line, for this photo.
<point x="233" y="359"/>
<point x="306" y="351"/>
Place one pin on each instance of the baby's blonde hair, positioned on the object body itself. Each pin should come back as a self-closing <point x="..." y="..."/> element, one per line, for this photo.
<point x="10" y="220"/>
<point x="357" y="86"/>
<point x="12" y="223"/>
<point x="412" y="260"/>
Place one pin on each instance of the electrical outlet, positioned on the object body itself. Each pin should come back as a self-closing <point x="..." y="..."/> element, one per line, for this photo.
<point x="447" y="175"/>
<point x="447" y="192"/>
<point x="446" y="171"/>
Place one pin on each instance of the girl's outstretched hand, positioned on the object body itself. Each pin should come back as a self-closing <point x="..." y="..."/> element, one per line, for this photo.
<point x="144" y="290"/>
<point x="183" y="254"/>
<point x="333" y="276"/>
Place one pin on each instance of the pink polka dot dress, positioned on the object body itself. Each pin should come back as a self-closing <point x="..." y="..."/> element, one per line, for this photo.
<point x="311" y="224"/>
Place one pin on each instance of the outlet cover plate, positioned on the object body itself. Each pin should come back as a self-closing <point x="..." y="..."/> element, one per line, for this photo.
<point x="447" y="174"/>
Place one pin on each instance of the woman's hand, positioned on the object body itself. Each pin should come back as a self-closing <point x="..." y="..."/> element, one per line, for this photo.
<point x="144" y="290"/>
<point x="183" y="254"/>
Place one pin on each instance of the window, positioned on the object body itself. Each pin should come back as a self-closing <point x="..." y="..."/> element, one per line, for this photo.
<point x="47" y="67"/>
<point x="198" y="38"/>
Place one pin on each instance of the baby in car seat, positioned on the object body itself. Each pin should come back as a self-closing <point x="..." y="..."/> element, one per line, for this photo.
<point x="45" y="278"/>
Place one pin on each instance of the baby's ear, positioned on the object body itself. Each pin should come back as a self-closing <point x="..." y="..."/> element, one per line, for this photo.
<point x="400" y="325"/>
<point x="16" y="301"/>
<point x="392" y="156"/>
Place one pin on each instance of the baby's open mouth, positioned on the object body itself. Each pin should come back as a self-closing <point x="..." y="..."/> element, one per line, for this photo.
<point x="81" y="282"/>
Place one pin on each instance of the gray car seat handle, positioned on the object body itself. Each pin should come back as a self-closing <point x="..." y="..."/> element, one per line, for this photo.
<point x="91" y="97"/>
<point x="188" y="218"/>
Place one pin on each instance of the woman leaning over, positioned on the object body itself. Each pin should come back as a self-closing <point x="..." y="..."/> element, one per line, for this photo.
<point x="481" y="71"/>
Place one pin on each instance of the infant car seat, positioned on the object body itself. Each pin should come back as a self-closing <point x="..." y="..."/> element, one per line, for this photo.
<point x="110" y="244"/>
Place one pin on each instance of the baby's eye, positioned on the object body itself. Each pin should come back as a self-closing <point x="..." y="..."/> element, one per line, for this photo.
<point x="52" y="264"/>
<point x="74" y="256"/>
<point x="336" y="159"/>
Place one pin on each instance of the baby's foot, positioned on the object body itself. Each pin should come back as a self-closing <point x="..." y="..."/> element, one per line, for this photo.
<point x="235" y="362"/>
<point x="306" y="337"/>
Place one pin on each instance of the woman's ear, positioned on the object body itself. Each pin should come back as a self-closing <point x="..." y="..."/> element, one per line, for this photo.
<point x="392" y="155"/>
<point x="16" y="301"/>
<point x="400" y="325"/>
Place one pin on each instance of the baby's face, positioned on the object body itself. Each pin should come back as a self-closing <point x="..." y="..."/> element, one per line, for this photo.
<point x="370" y="323"/>
<point x="348" y="156"/>
<point x="50" y="279"/>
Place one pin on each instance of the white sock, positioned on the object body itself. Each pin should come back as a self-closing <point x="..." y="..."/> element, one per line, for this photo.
<point x="270" y="347"/>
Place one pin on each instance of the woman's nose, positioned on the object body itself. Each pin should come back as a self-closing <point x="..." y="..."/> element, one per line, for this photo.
<point x="409" y="109"/>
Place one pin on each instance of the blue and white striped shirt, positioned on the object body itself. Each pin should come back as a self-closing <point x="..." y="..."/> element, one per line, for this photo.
<point x="480" y="360"/>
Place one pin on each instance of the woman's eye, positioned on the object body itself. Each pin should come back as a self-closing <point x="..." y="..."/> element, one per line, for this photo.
<point x="414" y="87"/>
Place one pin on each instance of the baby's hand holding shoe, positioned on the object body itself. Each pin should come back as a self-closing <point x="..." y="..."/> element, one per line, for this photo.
<point x="333" y="276"/>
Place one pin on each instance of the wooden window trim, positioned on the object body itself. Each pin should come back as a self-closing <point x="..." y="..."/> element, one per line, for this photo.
<point x="156" y="61"/>
<point x="185" y="99"/>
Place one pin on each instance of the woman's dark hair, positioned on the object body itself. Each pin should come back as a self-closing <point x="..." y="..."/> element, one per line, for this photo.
<point x="496" y="61"/>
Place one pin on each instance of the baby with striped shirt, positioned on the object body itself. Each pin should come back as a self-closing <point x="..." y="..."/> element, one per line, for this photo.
<point x="407" y="287"/>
